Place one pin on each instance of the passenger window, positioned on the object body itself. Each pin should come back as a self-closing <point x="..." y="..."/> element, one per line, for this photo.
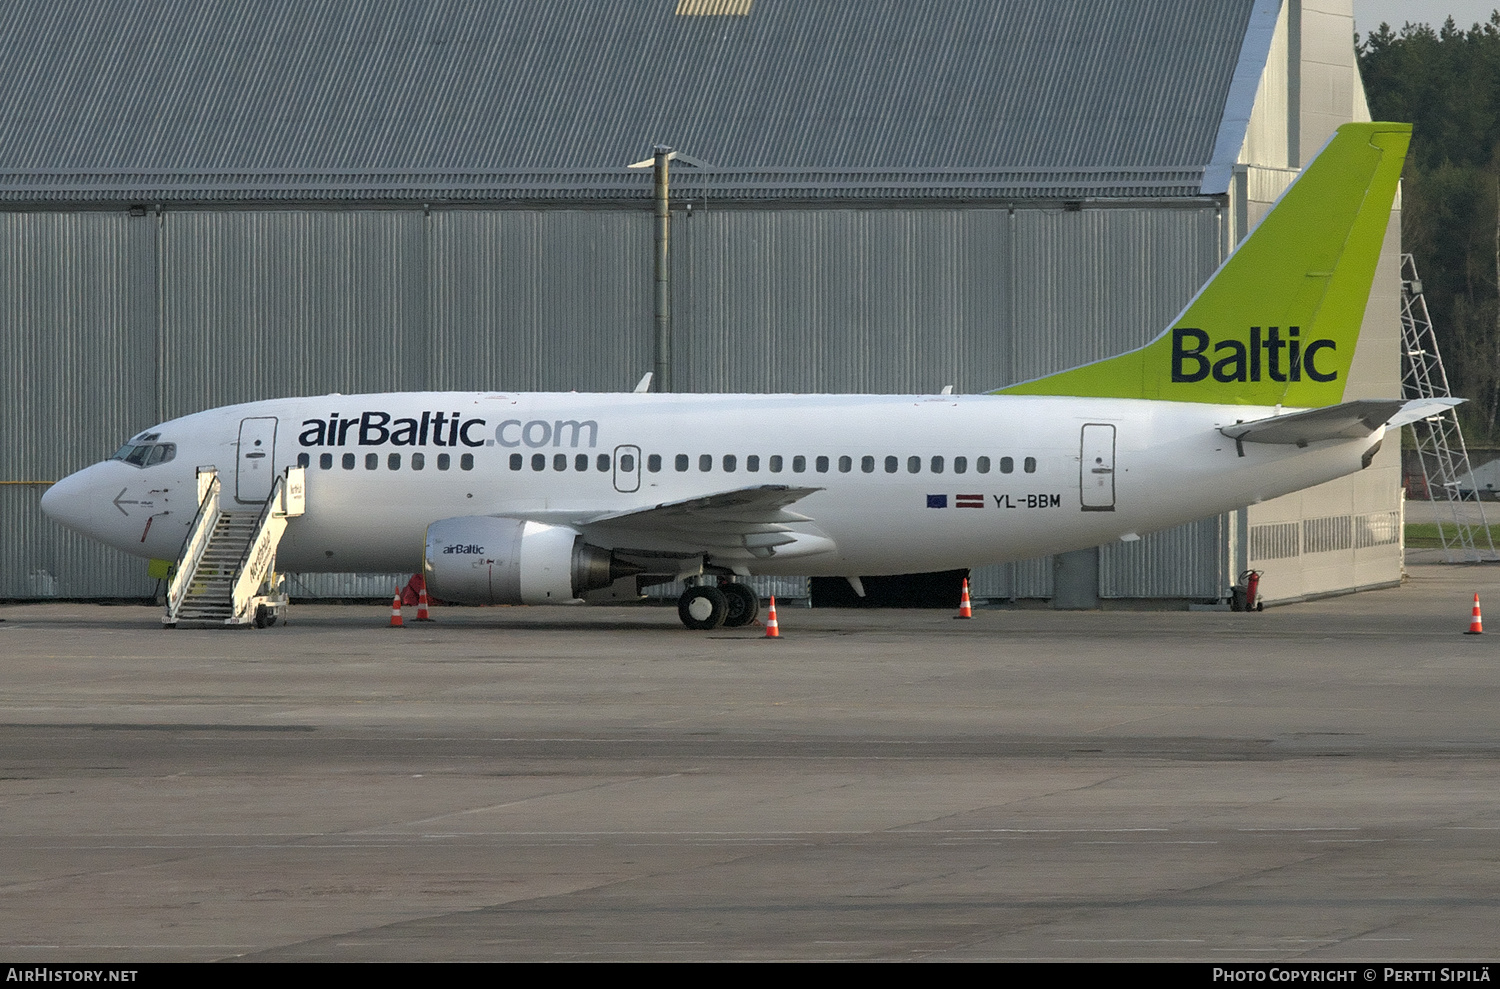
<point x="653" y="463"/>
<point x="581" y="462"/>
<point x="627" y="463"/>
<point x="799" y="463"/>
<point x="372" y="461"/>
<point x="846" y="464"/>
<point x="466" y="461"/>
<point x="602" y="463"/>
<point x="913" y="465"/>
<point x="1030" y="465"/>
<point x="418" y="461"/>
<point x="867" y="464"/>
<point x="1007" y="465"/>
<point x="682" y="462"/>
<point x="960" y="465"/>
<point x="891" y="465"/>
<point x="303" y="460"/>
<point x="394" y="461"/>
<point x="730" y="463"/>
<point x="517" y="461"/>
<point x="538" y="461"/>
<point x="752" y="463"/>
<point x="325" y="461"/>
<point x="821" y="465"/>
<point x="559" y="461"/>
<point x="775" y="463"/>
<point x="937" y="465"/>
<point x="705" y="462"/>
<point x="982" y="465"/>
<point x="348" y="461"/>
<point x="443" y="461"/>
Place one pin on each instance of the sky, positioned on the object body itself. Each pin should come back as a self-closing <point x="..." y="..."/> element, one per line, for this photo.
<point x="1369" y="13"/>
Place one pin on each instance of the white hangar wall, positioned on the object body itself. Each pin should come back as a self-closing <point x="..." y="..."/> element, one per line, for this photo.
<point x="1347" y="534"/>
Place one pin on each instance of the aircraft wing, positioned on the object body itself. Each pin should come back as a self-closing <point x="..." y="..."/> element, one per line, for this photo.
<point x="1347" y="421"/>
<point x="753" y="522"/>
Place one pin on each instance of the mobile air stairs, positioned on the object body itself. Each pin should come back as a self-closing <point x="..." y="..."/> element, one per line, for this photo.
<point x="226" y="574"/>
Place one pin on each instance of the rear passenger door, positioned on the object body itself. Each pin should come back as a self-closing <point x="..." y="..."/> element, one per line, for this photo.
<point x="1096" y="467"/>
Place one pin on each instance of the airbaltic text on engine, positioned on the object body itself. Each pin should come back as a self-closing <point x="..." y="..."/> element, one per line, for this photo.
<point x="1241" y="360"/>
<point x="375" y="428"/>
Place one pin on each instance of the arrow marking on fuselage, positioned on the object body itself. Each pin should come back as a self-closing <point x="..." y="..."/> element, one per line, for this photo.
<point x="120" y="502"/>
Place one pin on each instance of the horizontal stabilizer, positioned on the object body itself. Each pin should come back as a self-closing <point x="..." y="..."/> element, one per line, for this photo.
<point x="1348" y="421"/>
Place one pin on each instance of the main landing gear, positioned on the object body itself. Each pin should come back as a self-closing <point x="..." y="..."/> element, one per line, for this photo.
<point x="708" y="607"/>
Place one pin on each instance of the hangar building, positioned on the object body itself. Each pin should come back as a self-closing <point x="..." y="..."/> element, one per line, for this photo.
<point x="207" y="201"/>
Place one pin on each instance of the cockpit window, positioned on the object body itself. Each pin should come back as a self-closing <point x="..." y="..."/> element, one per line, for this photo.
<point x="139" y="454"/>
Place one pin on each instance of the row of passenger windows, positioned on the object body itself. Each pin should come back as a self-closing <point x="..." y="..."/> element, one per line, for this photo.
<point x="729" y="463"/>
<point x="392" y="461"/>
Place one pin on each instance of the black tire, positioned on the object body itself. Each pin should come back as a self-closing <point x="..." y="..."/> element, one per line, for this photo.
<point x="744" y="605"/>
<point x="260" y="616"/>
<point x="702" y="608"/>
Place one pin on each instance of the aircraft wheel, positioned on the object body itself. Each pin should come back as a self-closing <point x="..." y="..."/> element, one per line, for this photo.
<point x="702" y="607"/>
<point x="744" y="605"/>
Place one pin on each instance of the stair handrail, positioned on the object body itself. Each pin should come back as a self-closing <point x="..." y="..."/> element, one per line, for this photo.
<point x="260" y="552"/>
<point x="195" y="544"/>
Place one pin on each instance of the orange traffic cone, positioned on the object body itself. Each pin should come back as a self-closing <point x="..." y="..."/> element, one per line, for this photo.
<point x="773" y="631"/>
<point x="422" y="615"/>
<point x="396" y="610"/>
<point x="1476" y="624"/>
<point x="965" y="610"/>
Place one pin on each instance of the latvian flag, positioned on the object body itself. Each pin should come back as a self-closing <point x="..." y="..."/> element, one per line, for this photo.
<point x="968" y="501"/>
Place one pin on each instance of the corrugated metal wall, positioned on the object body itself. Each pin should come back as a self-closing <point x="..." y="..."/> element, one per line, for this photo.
<point x="121" y="321"/>
<point x="329" y="84"/>
<point x="79" y="376"/>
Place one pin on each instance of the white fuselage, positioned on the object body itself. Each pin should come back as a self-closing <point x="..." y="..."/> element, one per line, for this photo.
<point x="977" y="479"/>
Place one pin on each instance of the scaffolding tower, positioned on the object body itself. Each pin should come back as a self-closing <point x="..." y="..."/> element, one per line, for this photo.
<point x="1462" y="527"/>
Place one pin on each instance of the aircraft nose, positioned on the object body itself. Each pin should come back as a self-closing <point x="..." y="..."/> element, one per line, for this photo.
<point x="73" y="501"/>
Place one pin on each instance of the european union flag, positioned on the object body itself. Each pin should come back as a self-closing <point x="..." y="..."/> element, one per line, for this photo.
<point x="937" y="501"/>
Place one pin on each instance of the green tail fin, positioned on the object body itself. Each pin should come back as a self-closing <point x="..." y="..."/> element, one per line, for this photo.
<point x="1279" y="321"/>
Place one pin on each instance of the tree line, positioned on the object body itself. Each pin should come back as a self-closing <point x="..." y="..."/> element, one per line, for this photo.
<point x="1446" y="83"/>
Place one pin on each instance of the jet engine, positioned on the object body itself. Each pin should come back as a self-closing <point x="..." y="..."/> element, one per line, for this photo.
<point x="485" y="560"/>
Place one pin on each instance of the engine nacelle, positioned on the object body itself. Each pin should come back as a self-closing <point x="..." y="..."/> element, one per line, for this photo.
<point x="485" y="560"/>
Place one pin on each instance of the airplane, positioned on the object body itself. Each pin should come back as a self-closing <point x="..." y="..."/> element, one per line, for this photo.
<point x="516" y="498"/>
